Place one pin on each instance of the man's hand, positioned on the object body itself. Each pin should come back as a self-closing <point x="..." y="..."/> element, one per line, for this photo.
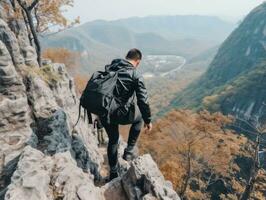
<point x="148" y="127"/>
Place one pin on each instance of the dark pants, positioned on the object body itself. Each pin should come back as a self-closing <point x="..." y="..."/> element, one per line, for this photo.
<point x="112" y="131"/>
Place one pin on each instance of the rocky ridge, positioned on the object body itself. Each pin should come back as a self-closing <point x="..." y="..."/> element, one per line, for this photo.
<point x="41" y="157"/>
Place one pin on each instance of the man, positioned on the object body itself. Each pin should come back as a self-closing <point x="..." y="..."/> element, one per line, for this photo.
<point x="129" y="84"/>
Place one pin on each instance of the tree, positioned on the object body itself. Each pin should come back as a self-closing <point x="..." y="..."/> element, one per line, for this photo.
<point x="42" y="17"/>
<point x="193" y="149"/>
<point x="71" y="59"/>
<point x="252" y="126"/>
<point x="194" y="138"/>
<point x="49" y="15"/>
<point x="27" y="9"/>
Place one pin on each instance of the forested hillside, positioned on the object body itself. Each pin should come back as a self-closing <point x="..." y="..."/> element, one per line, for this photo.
<point x="235" y="80"/>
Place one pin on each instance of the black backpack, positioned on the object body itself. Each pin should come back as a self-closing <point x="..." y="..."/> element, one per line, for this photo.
<point x="98" y="97"/>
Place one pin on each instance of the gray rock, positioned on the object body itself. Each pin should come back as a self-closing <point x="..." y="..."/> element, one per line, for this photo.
<point x="29" y="54"/>
<point x="14" y="110"/>
<point x="70" y="181"/>
<point x="66" y="98"/>
<point x="10" y="40"/>
<point x="53" y="134"/>
<point x="54" y="137"/>
<point x="40" y="96"/>
<point x="114" y="190"/>
<point x="144" y="177"/>
<point x="6" y="174"/>
<point x="40" y="177"/>
<point x="46" y="62"/>
<point x="46" y="99"/>
<point x="18" y="29"/>
<point x="82" y="156"/>
<point x="32" y="177"/>
<point x="149" y="197"/>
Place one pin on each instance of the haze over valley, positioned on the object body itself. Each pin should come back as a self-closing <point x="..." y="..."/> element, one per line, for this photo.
<point x="177" y="49"/>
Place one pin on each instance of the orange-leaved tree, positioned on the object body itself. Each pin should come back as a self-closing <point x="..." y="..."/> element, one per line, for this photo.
<point x="42" y="17"/>
<point x="62" y="55"/>
<point x="187" y="144"/>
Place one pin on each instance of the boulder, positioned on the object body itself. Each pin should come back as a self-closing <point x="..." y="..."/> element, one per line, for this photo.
<point x="114" y="190"/>
<point x="55" y="137"/>
<point x="32" y="177"/>
<point x="41" y="177"/>
<point x="71" y="182"/>
<point x="144" y="179"/>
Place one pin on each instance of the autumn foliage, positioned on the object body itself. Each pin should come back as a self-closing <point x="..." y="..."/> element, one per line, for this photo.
<point x="80" y="81"/>
<point x="62" y="55"/>
<point x="194" y="150"/>
<point x="72" y="61"/>
<point x="50" y="13"/>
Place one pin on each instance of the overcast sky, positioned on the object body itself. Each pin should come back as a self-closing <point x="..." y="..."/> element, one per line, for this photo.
<point x="89" y="10"/>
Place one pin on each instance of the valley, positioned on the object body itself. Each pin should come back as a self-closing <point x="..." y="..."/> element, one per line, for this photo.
<point x="155" y="66"/>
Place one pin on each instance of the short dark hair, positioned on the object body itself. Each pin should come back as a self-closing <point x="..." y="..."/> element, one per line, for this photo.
<point x="134" y="54"/>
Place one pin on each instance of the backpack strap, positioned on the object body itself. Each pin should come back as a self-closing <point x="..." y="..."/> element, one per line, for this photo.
<point x="78" y="118"/>
<point x="134" y="74"/>
<point x="89" y="117"/>
<point x="86" y="113"/>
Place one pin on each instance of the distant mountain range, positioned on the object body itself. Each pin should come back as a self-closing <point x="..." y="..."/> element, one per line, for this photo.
<point x="179" y="27"/>
<point x="235" y="82"/>
<point x="99" y="41"/>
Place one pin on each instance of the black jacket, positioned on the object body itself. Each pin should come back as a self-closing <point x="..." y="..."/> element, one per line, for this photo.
<point x="130" y="81"/>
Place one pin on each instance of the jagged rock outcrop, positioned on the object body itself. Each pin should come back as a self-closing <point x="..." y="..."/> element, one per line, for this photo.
<point x="44" y="177"/>
<point x="14" y="33"/>
<point x="144" y="180"/>
<point x="54" y="136"/>
<point x="57" y="177"/>
<point x="14" y="110"/>
<point x="11" y="42"/>
<point x="35" y="103"/>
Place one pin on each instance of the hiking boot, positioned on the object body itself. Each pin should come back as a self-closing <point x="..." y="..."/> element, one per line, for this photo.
<point x="112" y="176"/>
<point x="114" y="173"/>
<point x="129" y="154"/>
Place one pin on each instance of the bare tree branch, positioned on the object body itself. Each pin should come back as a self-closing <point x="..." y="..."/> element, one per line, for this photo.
<point x="22" y="4"/>
<point x="27" y="11"/>
<point x="34" y="3"/>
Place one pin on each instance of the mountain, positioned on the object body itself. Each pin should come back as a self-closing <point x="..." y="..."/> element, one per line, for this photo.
<point x="99" y="41"/>
<point x="235" y="80"/>
<point x="245" y="95"/>
<point x="180" y="27"/>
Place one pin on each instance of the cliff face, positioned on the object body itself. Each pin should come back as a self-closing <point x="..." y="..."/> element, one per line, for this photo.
<point x="40" y="156"/>
<point x="234" y="81"/>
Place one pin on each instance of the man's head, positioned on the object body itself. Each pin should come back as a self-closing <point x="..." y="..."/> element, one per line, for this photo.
<point x="134" y="56"/>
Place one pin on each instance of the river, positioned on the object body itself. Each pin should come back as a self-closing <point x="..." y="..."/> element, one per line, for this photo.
<point x="163" y="65"/>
